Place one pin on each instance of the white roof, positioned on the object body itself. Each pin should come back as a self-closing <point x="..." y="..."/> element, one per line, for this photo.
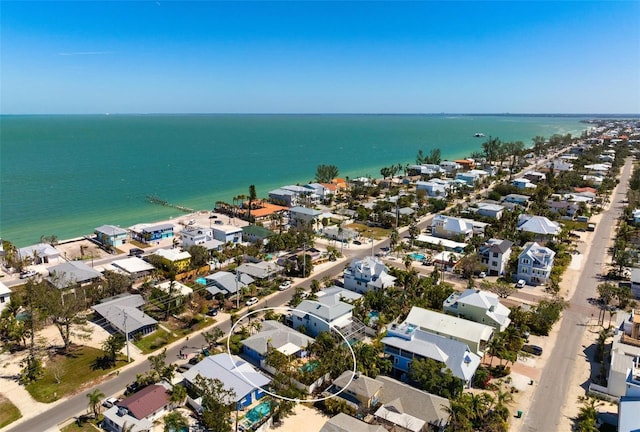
<point x="289" y="348"/>
<point x="448" y="325"/>
<point x="448" y="244"/>
<point x="4" y="289"/>
<point x="173" y="254"/>
<point x="178" y="288"/>
<point x="133" y="265"/>
<point x="538" y="225"/>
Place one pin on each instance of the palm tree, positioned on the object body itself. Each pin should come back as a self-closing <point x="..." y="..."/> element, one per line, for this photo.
<point x="95" y="399"/>
<point x="252" y="198"/>
<point x="178" y="395"/>
<point x="175" y="421"/>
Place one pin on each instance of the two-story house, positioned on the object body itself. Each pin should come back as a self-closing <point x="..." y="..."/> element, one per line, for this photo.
<point x="405" y="343"/>
<point x="535" y="263"/>
<point x="304" y="215"/>
<point x="227" y="233"/>
<point x="174" y="258"/>
<point x="451" y="227"/>
<point x="357" y="390"/>
<point x="541" y="227"/>
<point x="151" y="233"/>
<point x="5" y="296"/>
<point x="366" y="274"/>
<point x="495" y="254"/>
<point x="322" y="315"/>
<point x="111" y="235"/>
<point x="479" y="306"/>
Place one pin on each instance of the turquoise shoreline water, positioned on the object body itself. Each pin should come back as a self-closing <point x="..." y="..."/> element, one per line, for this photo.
<point x="65" y="175"/>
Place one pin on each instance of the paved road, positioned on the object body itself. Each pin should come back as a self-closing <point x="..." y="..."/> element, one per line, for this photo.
<point x="551" y="392"/>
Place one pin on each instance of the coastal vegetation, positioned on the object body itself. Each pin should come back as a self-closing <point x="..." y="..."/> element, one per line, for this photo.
<point x="326" y="173"/>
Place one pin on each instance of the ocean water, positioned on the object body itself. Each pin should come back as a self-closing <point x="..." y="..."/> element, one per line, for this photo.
<point x="66" y="175"/>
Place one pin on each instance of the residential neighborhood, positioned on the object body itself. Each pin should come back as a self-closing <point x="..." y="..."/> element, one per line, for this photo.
<point x="375" y="304"/>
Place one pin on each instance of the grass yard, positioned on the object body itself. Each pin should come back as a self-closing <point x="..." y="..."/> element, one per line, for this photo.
<point x="156" y="340"/>
<point x="86" y="426"/>
<point x="8" y="412"/>
<point x="73" y="370"/>
<point x="377" y="232"/>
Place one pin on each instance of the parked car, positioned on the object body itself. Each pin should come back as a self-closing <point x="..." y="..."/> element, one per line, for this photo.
<point x="109" y="402"/>
<point x="426" y="262"/>
<point x="357" y="242"/>
<point x="521" y="283"/>
<point x="252" y="301"/>
<point x="482" y="275"/>
<point x="285" y="285"/>
<point x="28" y="273"/>
<point x="185" y="367"/>
<point x="532" y="349"/>
<point x="212" y="311"/>
<point x="135" y="252"/>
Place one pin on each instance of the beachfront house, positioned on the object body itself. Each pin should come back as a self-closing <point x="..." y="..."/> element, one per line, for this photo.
<point x="475" y="335"/>
<point x="277" y="336"/>
<point x="292" y="195"/>
<point x="41" y="253"/>
<point x="479" y="306"/>
<point x="366" y="274"/>
<point x="235" y="375"/>
<point x="138" y="411"/>
<point x="195" y="236"/>
<point x="427" y="170"/>
<point x="174" y="258"/>
<point x="227" y="233"/>
<point x="5" y="296"/>
<point x="405" y="408"/>
<point x="111" y="235"/>
<point x="147" y="233"/>
<point x="450" y="166"/>
<point x="541" y="227"/>
<point x="535" y="263"/>
<point x="124" y="315"/>
<point x="304" y="215"/>
<point x="495" y="254"/>
<point x="451" y="227"/>
<point x="405" y="343"/>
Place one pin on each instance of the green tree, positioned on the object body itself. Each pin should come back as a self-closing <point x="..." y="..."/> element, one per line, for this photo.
<point x="252" y="197"/>
<point x="111" y="347"/>
<point x="178" y="395"/>
<point x="587" y="415"/>
<point x="199" y="256"/>
<point x="175" y="421"/>
<point x="217" y="403"/>
<point x="65" y="308"/>
<point x="159" y="367"/>
<point x="326" y="173"/>
<point x="428" y="374"/>
<point x="95" y="399"/>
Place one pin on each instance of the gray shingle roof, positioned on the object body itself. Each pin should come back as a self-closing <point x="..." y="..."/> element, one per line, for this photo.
<point x="70" y="272"/>
<point x="122" y="312"/>
<point x="276" y="334"/>
<point x="327" y="312"/>
<point x="345" y="423"/>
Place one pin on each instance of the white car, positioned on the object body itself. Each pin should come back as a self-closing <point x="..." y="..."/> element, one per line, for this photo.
<point x="284" y="285"/>
<point x="482" y="275"/>
<point x="27" y="274"/>
<point x="521" y="283"/>
<point x="252" y="301"/>
<point x="109" y="402"/>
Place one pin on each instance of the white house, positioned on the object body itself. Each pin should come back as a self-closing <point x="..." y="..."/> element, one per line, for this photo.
<point x="479" y="306"/>
<point x="540" y="226"/>
<point x="451" y="227"/>
<point x="367" y="274"/>
<point x="137" y="412"/>
<point x="434" y="189"/>
<point x="299" y="215"/>
<point x="227" y="233"/>
<point x="535" y="263"/>
<point x="41" y="253"/>
<point x="523" y="183"/>
<point x="5" y="296"/>
<point x="493" y="211"/>
<point x="495" y="254"/>
<point x="317" y="317"/>
<point x="521" y="200"/>
<point x="450" y="166"/>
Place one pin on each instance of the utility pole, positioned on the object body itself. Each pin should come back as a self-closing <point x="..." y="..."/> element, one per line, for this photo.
<point x="126" y="336"/>
<point x="304" y="259"/>
<point x="237" y="290"/>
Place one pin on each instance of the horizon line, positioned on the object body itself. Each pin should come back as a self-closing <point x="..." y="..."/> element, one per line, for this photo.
<point x="328" y="113"/>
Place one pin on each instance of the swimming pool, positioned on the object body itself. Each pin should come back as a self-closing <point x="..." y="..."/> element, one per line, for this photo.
<point x="259" y="411"/>
<point x="417" y="256"/>
<point x="201" y="281"/>
<point x="309" y="366"/>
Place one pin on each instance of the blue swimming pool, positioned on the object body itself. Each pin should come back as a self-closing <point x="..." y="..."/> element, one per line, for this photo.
<point x="201" y="281"/>
<point x="416" y="256"/>
<point x="310" y="366"/>
<point x="259" y="411"/>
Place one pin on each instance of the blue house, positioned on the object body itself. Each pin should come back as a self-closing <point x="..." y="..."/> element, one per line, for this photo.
<point x="235" y="374"/>
<point x="111" y="235"/>
<point x="152" y="233"/>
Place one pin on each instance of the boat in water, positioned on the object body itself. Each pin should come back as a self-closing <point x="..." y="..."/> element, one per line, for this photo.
<point x="478" y="135"/>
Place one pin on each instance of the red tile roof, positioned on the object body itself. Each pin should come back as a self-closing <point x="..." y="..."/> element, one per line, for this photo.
<point x="147" y="401"/>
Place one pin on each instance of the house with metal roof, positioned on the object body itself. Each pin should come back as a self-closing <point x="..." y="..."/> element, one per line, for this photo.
<point x="174" y="258"/>
<point x="134" y="267"/>
<point x="148" y="233"/>
<point x="475" y="335"/>
<point x="41" y="253"/>
<point x="451" y="227"/>
<point x="139" y="410"/>
<point x="366" y="274"/>
<point x="236" y="375"/>
<point x="493" y="211"/>
<point x="406" y="342"/>
<point x="357" y="390"/>
<point x="111" y="235"/>
<point x="495" y="254"/>
<point x="535" y="263"/>
<point x="227" y="233"/>
<point x="521" y="200"/>
<point x="70" y="273"/>
<point x="406" y="408"/>
<point x="540" y="226"/>
<point x="479" y="306"/>
<point x="345" y="423"/>
<point x="123" y="314"/>
<point x="318" y="316"/>
<point x="227" y="283"/>
<point x="254" y="233"/>
<point x="299" y="215"/>
<point x="277" y="336"/>
<point x="261" y="270"/>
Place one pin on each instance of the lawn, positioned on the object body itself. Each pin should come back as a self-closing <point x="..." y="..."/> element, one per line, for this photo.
<point x="85" y="426"/>
<point x="73" y="370"/>
<point x="156" y="340"/>
<point x="377" y="232"/>
<point x="8" y="412"/>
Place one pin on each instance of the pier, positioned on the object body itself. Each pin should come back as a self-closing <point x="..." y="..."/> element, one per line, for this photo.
<point x="156" y="200"/>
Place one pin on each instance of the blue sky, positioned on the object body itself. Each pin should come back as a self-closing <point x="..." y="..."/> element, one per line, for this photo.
<point x="320" y="57"/>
